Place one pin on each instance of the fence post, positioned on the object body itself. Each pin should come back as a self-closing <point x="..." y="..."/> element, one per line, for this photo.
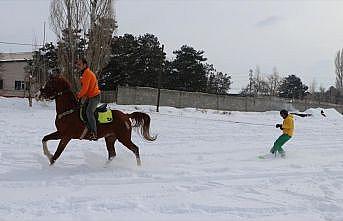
<point x="246" y="103"/>
<point x="30" y="95"/>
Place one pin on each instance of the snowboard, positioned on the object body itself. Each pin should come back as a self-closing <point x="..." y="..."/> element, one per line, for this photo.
<point x="267" y="156"/>
<point x="270" y="156"/>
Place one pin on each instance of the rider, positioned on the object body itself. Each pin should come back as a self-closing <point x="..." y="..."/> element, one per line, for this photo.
<point x="287" y="128"/>
<point x="89" y="93"/>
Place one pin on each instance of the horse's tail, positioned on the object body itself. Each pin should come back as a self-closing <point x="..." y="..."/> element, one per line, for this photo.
<point x="142" y="120"/>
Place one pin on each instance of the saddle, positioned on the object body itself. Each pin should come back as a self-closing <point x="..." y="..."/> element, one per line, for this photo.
<point x="102" y="114"/>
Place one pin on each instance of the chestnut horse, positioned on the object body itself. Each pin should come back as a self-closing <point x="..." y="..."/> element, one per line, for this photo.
<point x="69" y="125"/>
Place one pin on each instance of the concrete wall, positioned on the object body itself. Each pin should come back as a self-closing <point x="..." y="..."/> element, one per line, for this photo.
<point x="181" y="99"/>
<point x="108" y="96"/>
<point x="136" y="95"/>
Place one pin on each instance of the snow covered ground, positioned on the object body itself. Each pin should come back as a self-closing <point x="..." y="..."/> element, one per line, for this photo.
<point x="203" y="166"/>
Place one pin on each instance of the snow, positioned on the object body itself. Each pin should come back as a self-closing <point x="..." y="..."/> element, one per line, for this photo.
<point x="203" y="166"/>
<point x="330" y="113"/>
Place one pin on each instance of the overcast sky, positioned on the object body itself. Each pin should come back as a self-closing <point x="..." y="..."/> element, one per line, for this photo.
<point x="296" y="37"/>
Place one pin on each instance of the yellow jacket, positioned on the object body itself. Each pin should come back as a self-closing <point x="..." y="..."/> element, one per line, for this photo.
<point x="288" y="125"/>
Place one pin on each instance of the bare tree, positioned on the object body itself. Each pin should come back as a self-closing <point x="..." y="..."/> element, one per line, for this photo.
<point x="251" y="79"/>
<point x="313" y="87"/>
<point x="339" y="69"/>
<point x="274" y="81"/>
<point x="257" y="80"/>
<point x="257" y="84"/>
<point x="321" y="93"/>
<point x="93" y="19"/>
<point x="66" y="17"/>
<point x="260" y="85"/>
<point x="102" y="26"/>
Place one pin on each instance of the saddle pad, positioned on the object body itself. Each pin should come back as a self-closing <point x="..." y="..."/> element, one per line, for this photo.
<point x="105" y="117"/>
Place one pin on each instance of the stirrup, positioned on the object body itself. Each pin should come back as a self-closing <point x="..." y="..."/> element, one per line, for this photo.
<point x="84" y="133"/>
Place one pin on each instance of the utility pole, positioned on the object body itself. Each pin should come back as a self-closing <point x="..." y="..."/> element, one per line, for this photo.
<point x="44" y="61"/>
<point x="159" y="82"/>
<point x="29" y="87"/>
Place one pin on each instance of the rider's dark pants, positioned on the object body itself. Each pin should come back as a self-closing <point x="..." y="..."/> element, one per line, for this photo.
<point x="92" y="103"/>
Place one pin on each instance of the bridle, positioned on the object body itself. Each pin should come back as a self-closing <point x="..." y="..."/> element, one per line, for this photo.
<point x="58" y="94"/>
<point x="65" y="113"/>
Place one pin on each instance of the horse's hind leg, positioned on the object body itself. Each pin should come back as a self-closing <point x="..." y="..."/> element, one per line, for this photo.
<point x="110" y="140"/>
<point x="128" y="143"/>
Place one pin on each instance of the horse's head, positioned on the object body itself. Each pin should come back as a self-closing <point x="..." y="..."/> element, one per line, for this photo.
<point x="55" y="86"/>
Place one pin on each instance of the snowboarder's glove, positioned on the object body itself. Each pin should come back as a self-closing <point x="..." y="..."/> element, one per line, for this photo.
<point x="278" y="126"/>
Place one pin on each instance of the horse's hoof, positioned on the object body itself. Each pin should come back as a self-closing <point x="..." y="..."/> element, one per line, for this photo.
<point x="139" y="163"/>
<point x="111" y="158"/>
<point x="52" y="161"/>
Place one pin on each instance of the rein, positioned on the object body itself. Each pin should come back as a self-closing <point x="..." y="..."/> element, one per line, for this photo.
<point x="59" y="94"/>
<point x="65" y="113"/>
<point x="59" y="116"/>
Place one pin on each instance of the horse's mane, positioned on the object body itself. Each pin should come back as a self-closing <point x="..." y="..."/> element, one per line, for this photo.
<point x="63" y="84"/>
<point x="62" y="81"/>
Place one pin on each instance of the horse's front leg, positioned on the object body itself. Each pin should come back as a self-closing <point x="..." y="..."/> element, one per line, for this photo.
<point x="53" y="136"/>
<point x="61" y="146"/>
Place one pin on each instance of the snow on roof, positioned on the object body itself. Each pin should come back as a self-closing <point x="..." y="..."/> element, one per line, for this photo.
<point x="19" y="56"/>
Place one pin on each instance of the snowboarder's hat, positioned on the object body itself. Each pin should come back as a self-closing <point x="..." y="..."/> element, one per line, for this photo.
<point x="284" y="112"/>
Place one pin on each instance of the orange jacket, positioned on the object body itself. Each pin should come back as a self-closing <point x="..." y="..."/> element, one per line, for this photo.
<point x="89" y="85"/>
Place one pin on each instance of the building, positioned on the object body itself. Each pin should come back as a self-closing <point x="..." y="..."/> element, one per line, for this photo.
<point x="13" y="78"/>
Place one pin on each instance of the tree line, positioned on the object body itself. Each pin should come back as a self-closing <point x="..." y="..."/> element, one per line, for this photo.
<point x="140" y="61"/>
<point x="292" y="86"/>
<point x="85" y="28"/>
<point x="274" y="85"/>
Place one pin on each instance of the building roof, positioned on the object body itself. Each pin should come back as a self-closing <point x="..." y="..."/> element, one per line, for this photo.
<point x="19" y="56"/>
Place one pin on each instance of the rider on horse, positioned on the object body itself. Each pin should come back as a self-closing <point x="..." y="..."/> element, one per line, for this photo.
<point x="89" y="94"/>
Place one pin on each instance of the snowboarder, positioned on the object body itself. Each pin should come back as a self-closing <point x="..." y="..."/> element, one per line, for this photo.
<point x="287" y="128"/>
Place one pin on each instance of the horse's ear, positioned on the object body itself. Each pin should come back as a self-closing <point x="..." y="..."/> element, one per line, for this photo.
<point x="61" y="77"/>
<point x="50" y="78"/>
<point x="58" y="77"/>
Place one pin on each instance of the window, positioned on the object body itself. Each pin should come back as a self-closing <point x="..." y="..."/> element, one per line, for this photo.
<point x="1" y="84"/>
<point x="19" y="85"/>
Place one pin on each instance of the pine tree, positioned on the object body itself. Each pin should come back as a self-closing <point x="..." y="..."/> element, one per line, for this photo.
<point x="292" y="87"/>
<point x="121" y="64"/>
<point x="44" y="62"/>
<point x="135" y="61"/>
<point x="218" y="82"/>
<point x="188" y="72"/>
<point x="150" y="61"/>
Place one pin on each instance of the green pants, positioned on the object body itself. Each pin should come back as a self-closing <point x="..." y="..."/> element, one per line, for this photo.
<point x="279" y="143"/>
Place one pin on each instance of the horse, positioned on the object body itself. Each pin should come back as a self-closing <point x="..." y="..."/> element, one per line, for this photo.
<point x="70" y="126"/>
